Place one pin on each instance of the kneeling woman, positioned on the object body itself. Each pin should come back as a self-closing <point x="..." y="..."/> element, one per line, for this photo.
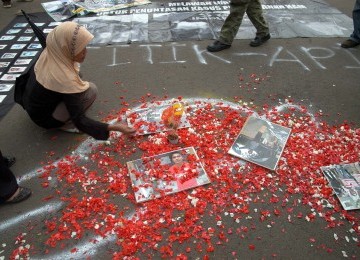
<point x="55" y="95"/>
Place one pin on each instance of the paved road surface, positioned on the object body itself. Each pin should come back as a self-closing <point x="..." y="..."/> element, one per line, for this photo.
<point x="125" y="74"/>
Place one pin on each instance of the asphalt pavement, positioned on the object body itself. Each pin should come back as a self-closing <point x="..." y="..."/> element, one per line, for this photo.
<point x="287" y="69"/>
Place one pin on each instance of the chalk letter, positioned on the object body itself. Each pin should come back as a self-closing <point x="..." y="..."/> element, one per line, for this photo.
<point x="148" y="47"/>
<point x="173" y="50"/>
<point x="274" y="58"/>
<point x="330" y="54"/>
<point x="114" y="57"/>
<point x="201" y="58"/>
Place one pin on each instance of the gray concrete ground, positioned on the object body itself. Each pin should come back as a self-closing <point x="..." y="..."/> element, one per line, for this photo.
<point x="330" y="85"/>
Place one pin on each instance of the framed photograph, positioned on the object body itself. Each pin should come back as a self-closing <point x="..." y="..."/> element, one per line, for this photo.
<point x="167" y="173"/>
<point x="29" y="30"/>
<point x="54" y="24"/>
<point x="9" y="77"/>
<point x="24" y="38"/>
<point x="7" y="38"/>
<point x="5" y="87"/>
<point x="48" y="30"/>
<point x="8" y="55"/>
<point x="16" y="69"/>
<point x="2" y="97"/>
<point x="33" y="46"/>
<point x="4" y="64"/>
<point x="22" y="61"/>
<point x="344" y="179"/>
<point x="17" y="46"/>
<point x="20" y="25"/>
<point x="260" y="142"/>
<point x="28" y="53"/>
<point x="13" y="31"/>
<point x="148" y="120"/>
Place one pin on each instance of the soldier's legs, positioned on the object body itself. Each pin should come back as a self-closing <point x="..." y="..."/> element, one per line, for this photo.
<point x="233" y="21"/>
<point x="255" y="14"/>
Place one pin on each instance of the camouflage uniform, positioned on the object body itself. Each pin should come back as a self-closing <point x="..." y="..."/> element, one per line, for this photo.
<point x="232" y="23"/>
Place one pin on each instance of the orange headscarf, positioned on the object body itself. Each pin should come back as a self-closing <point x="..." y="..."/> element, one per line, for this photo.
<point x="55" y="68"/>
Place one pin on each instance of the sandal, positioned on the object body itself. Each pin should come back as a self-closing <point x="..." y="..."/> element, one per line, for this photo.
<point x="69" y="127"/>
<point x="9" y="161"/>
<point x="70" y="130"/>
<point x="24" y="193"/>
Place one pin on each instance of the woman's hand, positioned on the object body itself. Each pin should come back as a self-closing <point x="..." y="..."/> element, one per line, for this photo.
<point x="121" y="127"/>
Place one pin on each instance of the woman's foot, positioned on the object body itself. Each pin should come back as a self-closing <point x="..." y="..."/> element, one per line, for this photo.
<point x="70" y="128"/>
<point x="21" y="194"/>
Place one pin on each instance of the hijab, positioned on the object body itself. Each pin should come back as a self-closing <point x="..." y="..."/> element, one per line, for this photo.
<point x="56" y="69"/>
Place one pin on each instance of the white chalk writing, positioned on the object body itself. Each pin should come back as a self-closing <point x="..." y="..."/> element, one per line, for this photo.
<point x="301" y="56"/>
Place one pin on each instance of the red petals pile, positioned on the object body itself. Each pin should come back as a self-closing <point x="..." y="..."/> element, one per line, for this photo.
<point x="100" y="201"/>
